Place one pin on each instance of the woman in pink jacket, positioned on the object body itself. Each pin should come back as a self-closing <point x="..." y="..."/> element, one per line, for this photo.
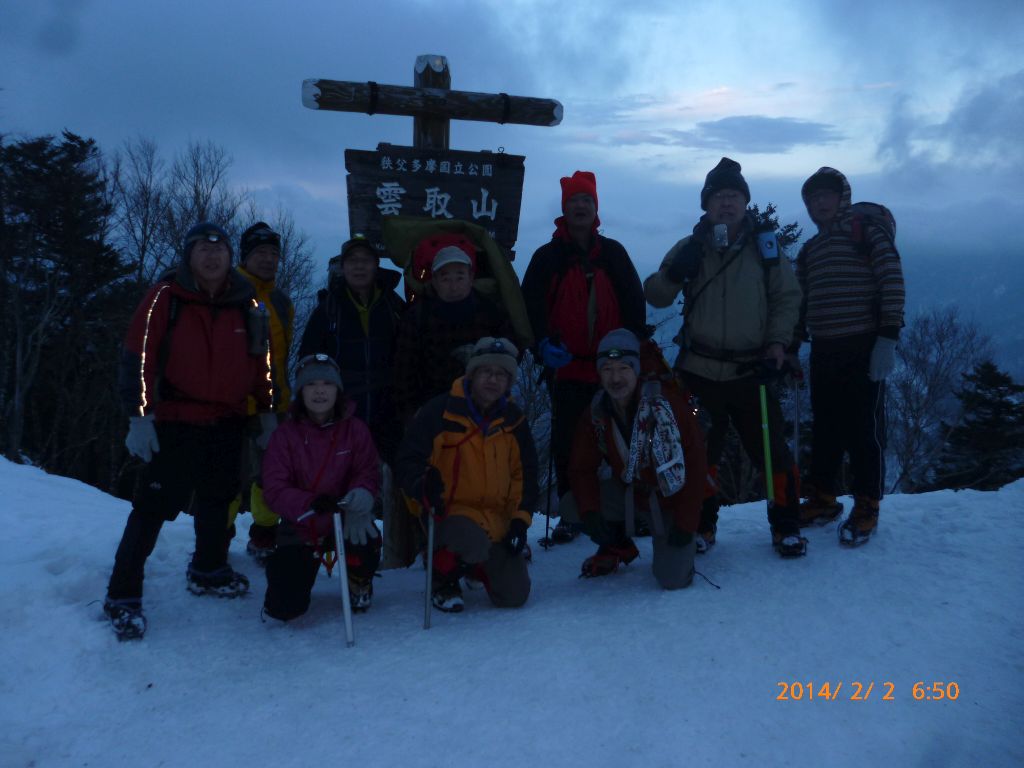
<point x="321" y="458"/>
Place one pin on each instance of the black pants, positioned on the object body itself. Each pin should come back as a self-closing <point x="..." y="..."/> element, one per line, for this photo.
<point x="292" y="569"/>
<point x="849" y="416"/>
<point x="196" y="470"/>
<point x="738" y="402"/>
<point x="569" y="399"/>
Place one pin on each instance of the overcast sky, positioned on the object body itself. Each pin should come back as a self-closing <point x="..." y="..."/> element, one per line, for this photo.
<point x="920" y="103"/>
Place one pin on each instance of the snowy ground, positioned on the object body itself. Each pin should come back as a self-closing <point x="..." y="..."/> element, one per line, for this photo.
<point x="608" y="672"/>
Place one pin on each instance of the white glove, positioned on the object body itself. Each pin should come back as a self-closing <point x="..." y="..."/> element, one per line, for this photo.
<point x="268" y="423"/>
<point x="883" y="358"/>
<point x="141" y="441"/>
<point x="359" y="525"/>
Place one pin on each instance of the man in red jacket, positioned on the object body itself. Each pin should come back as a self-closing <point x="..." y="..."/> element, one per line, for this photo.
<point x="577" y="288"/>
<point x="196" y="349"/>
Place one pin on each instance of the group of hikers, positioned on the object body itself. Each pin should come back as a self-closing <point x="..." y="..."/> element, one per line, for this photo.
<point x="403" y="410"/>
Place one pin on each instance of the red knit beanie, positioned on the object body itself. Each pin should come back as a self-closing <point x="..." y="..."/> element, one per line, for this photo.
<point x="580" y="183"/>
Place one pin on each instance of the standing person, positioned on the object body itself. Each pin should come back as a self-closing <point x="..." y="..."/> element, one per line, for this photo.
<point x="195" y="351"/>
<point x="650" y="439"/>
<point x="741" y="303"/>
<point x="355" y="322"/>
<point x="853" y="287"/>
<point x="577" y="288"/>
<point x="469" y="459"/>
<point x="259" y="254"/>
<point x="320" y="459"/>
<point x="440" y="327"/>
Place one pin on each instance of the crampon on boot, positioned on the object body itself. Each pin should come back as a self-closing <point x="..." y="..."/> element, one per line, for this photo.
<point x="861" y="523"/>
<point x="819" y="509"/>
<point x="607" y="559"/>
<point x="126" y="618"/>
<point x="447" y="595"/>
<point x="360" y="592"/>
<point x="789" y="544"/>
<point x="223" y="582"/>
<point x="705" y="540"/>
<point x="262" y="542"/>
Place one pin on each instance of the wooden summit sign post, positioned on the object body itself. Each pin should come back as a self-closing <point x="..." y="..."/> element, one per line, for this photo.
<point x="429" y="179"/>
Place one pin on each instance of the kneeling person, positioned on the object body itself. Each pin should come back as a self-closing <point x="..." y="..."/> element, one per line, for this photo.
<point x="468" y="458"/>
<point x="651" y="441"/>
<point x="321" y="459"/>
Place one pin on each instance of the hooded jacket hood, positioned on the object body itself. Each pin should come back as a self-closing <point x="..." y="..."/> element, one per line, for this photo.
<point x="828" y="178"/>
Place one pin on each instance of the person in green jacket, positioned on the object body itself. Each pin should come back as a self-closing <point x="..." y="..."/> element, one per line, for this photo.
<point x="741" y="302"/>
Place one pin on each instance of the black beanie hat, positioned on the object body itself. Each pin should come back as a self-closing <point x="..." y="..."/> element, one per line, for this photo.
<point x="258" y="234"/>
<point x="725" y="175"/>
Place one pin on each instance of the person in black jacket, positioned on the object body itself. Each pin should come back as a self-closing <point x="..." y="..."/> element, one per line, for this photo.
<point x="578" y="288"/>
<point x="355" y="322"/>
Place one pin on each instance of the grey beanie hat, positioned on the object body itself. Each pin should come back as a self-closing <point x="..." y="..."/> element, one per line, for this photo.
<point x="619" y="345"/>
<point x="318" y="367"/>
<point x="491" y="350"/>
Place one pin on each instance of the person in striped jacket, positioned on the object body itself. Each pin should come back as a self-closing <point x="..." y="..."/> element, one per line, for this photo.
<point x="852" y="312"/>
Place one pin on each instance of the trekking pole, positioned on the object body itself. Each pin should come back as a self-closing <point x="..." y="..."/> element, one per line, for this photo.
<point x="796" y="420"/>
<point x="769" y="485"/>
<point x="430" y="569"/>
<point x="546" y="544"/>
<point x="346" y="600"/>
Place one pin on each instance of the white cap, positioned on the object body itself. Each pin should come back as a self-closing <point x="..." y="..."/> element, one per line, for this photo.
<point x="450" y="254"/>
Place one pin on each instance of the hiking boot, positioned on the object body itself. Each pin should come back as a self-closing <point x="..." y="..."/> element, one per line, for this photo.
<point x="861" y="524"/>
<point x="705" y="541"/>
<point x="360" y="592"/>
<point x="447" y="596"/>
<point x="126" y="618"/>
<point x="223" y="582"/>
<point x="564" y="533"/>
<point x="788" y="543"/>
<point x="819" y="509"/>
<point x="262" y="542"/>
<point x="607" y="559"/>
<point x="475" y="578"/>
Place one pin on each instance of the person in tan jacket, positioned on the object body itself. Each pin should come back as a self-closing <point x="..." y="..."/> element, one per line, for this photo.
<point x="741" y="302"/>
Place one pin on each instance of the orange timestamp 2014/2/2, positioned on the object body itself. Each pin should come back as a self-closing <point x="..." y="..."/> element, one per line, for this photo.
<point x="857" y="690"/>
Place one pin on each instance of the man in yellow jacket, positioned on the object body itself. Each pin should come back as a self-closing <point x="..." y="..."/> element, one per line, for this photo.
<point x="260" y="254"/>
<point x="468" y="458"/>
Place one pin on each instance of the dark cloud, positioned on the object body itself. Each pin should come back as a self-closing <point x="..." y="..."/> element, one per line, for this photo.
<point x="58" y="34"/>
<point x="977" y="147"/>
<point x="753" y="134"/>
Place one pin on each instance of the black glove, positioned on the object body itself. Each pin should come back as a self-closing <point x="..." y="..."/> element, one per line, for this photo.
<point x="677" y="537"/>
<point x="433" y="491"/>
<point x="686" y="262"/>
<point x="515" y="539"/>
<point x="324" y="504"/>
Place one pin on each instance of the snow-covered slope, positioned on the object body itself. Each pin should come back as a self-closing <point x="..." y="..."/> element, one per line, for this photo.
<point x="607" y="672"/>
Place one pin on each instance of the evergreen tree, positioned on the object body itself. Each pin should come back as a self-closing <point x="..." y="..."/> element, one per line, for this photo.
<point x="985" y="450"/>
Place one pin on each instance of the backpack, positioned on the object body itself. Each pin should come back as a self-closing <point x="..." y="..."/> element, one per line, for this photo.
<point x="874" y="214"/>
<point x="494" y="277"/>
